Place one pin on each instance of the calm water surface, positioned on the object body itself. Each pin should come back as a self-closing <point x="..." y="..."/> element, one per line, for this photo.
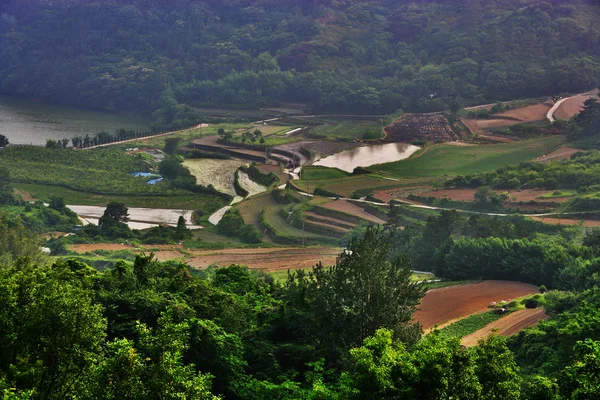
<point x="25" y="122"/>
<point x="368" y="155"/>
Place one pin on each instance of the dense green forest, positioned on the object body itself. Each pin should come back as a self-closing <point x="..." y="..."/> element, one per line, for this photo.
<point x="151" y="330"/>
<point x="376" y="56"/>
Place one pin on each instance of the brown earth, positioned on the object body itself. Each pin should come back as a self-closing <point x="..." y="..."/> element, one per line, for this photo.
<point x="571" y="107"/>
<point x="24" y="195"/>
<point x="265" y="259"/>
<point x="386" y="195"/>
<point x="536" y="112"/>
<point x="410" y="127"/>
<point x="523" y="195"/>
<point x="348" y="208"/>
<point x="509" y="325"/>
<point x="567" y="221"/>
<point x="84" y="248"/>
<point x="564" y="153"/>
<point x="166" y="255"/>
<point x="441" y="305"/>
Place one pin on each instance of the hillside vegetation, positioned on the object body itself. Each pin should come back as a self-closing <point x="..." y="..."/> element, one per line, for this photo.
<point x="372" y="56"/>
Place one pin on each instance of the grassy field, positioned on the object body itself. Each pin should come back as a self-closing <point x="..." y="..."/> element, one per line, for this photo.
<point x="206" y="203"/>
<point x="250" y="209"/>
<point x="284" y="228"/>
<point x="319" y="173"/>
<point x="185" y="136"/>
<point x="348" y="129"/>
<point x="456" y="160"/>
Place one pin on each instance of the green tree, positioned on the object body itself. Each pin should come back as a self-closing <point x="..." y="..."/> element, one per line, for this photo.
<point x="172" y="145"/>
<point x="3" y="141"/>
<point x="496" y="369"/>
<point x="116" y="212"/>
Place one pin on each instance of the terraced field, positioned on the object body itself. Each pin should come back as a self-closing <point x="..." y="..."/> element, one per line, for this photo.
<point x="251" y="208"/>
<point x="342" y="206"/>
<point x="282" y="231"/>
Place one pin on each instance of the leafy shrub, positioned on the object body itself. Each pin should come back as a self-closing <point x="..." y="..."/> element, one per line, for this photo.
<point x="531" y="303"/>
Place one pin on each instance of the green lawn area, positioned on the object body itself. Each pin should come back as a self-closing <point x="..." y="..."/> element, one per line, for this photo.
<point x="348" y="129"/>
<point x="319" y="173"/>
<point x="206" y="203"/>
<point x="456" y="160"/>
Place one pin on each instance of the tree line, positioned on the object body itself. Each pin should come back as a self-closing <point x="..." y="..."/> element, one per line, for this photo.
<point x="376" y="56"/>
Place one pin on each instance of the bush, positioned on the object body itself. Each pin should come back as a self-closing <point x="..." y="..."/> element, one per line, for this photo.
<point x="531" y="303"/>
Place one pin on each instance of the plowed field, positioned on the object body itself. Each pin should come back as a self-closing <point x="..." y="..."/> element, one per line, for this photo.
<point x="571" y="107"/>
<point x="441" y="305"/>
<point x="430" y="127"/>
<point x="84" y="248"/>
<point x="536" y="112"/>
<point x="265" y="259"/>
<point x="507" y="326"/>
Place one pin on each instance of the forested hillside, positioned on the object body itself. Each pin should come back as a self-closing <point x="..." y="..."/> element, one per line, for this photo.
<point x="345" y="56"/>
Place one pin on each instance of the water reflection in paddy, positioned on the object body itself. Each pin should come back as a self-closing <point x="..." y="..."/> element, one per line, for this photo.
<point x="366" y="156"/>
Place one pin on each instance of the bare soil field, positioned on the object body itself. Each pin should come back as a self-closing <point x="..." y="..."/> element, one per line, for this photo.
<point x="564" y="153"/>
<point x="166" y="255"/>
<point x="210" y="143"/>
<point x="348" y="208"/>
<point x="24" y="195"/>
<point x="386" y="195"/>
<point x="496" y="138"/>
<point x="571" y="107"/>
<point x="507" y="326"/>
<point x="566" y="221"/>
<point x="536" y="112"/>
<point x="84" y="248"/>
<point x="410" y="127"/>
<point x="441" y="305"/>
<point x="514" y="195"/>
<point x="275" y="259"/>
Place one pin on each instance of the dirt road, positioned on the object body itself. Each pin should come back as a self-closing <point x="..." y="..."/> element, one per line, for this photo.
<point x="507" y="326"/>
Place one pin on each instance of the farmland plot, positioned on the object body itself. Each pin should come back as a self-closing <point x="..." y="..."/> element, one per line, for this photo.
<point x="219" y="173"/>
<point x="430" y="127"/>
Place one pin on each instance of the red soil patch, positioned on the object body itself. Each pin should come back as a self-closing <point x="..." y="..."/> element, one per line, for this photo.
<point x="162" y="246"/>
<point x="571" y="107"/>
<point x="441" y="305"/>
<point x="166" y="255"/>
<point x="84" y="248"/>
<point x="24" y="195"/>
<point x="536" y="112"/>
<point x="386" y="195"/>
<point x="507" y="326"/>
<point x="266" y="259"/>
<point x="567" y="221"/>
<point x="348" y="208"/>
<point x="564" y="153"/>
<point x="467" y="195"/>
<point x="496" y="138"/>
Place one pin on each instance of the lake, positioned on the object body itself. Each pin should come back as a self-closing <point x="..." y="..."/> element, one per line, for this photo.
<point x="366" y="156"/>
<point x="26" y="122"/>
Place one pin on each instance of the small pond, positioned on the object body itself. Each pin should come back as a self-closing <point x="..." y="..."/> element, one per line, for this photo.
<point x="366" y="156"/>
